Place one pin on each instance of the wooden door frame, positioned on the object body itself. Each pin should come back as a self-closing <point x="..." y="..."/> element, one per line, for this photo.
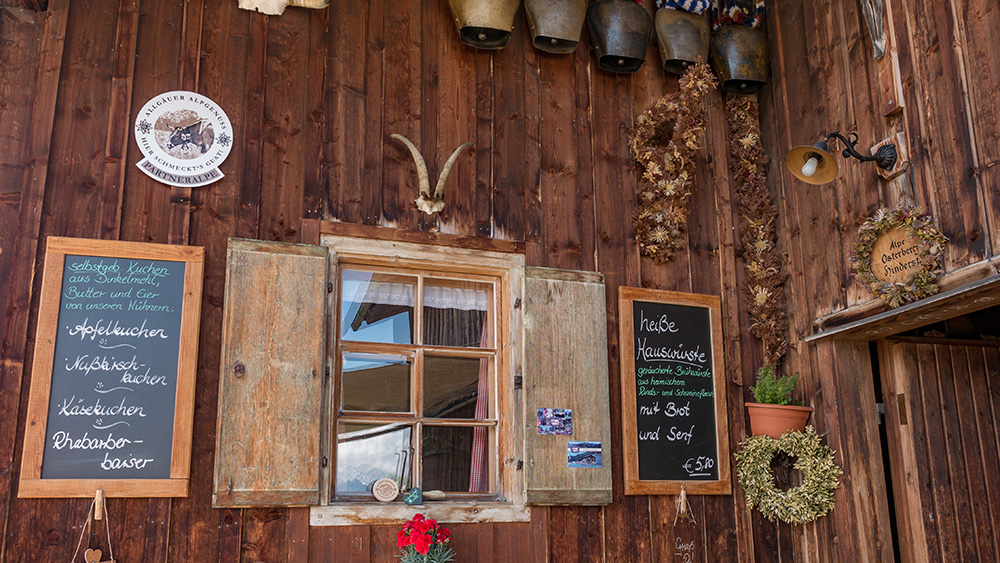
<point x="845" y="348"/>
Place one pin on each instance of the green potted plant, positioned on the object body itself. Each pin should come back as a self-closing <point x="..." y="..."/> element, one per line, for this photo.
<point x="771" y="415"/>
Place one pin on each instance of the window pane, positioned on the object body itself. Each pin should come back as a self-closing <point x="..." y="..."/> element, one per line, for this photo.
<point x="376" y="382"/>
<point x="455" y="459"/>
<point x="376" y="307"/>
<point x="369" y="452"/>
<point x="455" y="313"/>
<point x="452" y="387"/>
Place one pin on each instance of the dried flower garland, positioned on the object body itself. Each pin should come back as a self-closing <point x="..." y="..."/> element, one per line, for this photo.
<point x="737" y="12"/>
<point x="765" y="277"/>
<point x="922" y="283"/>
<point x="664" y="142"/>
<point x="798" y="505"/>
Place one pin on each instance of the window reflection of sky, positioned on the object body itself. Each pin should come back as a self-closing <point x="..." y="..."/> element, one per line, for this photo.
<point x="367" y="455"/>
<point x="394" y="329"/>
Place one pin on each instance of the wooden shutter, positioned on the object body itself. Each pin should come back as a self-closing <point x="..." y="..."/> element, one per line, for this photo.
<point x="272" y="375"/>
<point x="566" y="367"/>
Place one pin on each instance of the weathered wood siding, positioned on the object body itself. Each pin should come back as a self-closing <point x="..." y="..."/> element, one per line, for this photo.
<point x="826" y="78"/>
<point x="315" y="94"/>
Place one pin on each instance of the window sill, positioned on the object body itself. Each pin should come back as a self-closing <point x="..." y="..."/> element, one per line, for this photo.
<point x="347" y="514"/>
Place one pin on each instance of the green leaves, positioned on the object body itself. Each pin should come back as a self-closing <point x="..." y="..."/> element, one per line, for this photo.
<point x="773" y="390"/>
<point x="805" y="503"/>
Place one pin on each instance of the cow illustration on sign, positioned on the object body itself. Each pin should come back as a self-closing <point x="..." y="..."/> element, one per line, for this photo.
<point x="182" y="130"/>
<point x="184" y="138"/>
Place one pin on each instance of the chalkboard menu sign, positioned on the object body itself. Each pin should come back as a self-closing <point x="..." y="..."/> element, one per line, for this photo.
<point x="674" y="426"/>
<point x="112" y="387"/>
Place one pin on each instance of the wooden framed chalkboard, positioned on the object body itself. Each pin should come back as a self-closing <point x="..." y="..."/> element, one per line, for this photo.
<point x="674" y="425"/>
<point x="112" y="382"/>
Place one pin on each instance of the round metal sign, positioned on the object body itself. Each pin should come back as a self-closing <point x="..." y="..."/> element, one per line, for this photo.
<point x="184" y="138"/>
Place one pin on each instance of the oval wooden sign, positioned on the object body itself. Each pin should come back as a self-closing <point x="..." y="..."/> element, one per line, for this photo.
<point x="896" y="256"/>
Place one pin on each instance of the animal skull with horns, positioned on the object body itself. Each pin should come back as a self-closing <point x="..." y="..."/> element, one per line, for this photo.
<point x="427" y="202"/>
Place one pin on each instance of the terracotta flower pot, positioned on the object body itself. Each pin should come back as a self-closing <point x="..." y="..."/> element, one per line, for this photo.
<point x="555" y="24"/>
<point x="740" y="57"/>
<point x="683" y="38"/>
<point x="619" y="30"/>
<point x="775" y="420"/>
<point x="484" y="24"/>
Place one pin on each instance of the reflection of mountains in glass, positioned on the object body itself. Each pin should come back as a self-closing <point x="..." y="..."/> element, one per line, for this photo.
<point x="366" y="453"/>
<point x="359" y="478"/>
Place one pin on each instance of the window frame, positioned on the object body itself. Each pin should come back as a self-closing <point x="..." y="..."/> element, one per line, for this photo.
<point x="417" y="352"/>
<point x="506" y="471"/>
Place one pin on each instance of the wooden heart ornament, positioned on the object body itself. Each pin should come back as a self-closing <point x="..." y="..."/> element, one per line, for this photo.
<point x="94" y="556"/>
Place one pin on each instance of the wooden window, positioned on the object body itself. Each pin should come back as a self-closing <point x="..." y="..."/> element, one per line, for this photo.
<point x="430" y="362"/>
<point x="415" y="390"/>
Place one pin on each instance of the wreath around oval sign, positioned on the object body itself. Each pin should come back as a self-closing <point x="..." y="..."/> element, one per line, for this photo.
<point x="920" y="226"/>
<point x="798" y="505"/>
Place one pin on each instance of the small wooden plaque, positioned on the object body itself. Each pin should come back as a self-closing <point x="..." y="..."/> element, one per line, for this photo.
<point x="896" y="256"/>
<point x="385" y="490"/>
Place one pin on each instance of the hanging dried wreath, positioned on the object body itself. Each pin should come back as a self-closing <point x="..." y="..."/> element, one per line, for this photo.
<point x="910" y="260"/>
<point x="798" y="505"/>
<point x="765" y="276"/>
<point x="664" y="142"/>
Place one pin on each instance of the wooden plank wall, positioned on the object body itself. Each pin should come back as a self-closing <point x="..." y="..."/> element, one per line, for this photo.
<point x="948" y="446"/>
<point x="826" y="78"/>
<point x="315" y="94"/>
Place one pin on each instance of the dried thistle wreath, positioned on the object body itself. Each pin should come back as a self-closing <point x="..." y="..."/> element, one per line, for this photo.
<point x="798" y="505"/>
<point x="765" y="275"/>
<point x="664" y="143"/>
<point x="918" y="225"/>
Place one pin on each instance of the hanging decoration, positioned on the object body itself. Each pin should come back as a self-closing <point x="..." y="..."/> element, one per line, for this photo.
<point x="739" y="51"/>
<point x="899" y="255"/>
<point x="619" y="33"/>
<point x="99" y="510"/>
<point x="693" y="6"/>
<point x="737" y="12"/>
<point x="798" y="505"/>
<point x="484" y="24"/>
<point x="682" y="32"/>
<point x="872" y="10"/>
<point x="429" y="202"/>
<point x="757" y="213"/>
<point x="555" y="26"/>
<point x="664" y="142"/>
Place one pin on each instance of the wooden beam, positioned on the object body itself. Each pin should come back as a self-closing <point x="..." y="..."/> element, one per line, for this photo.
<point x="966" y="299"/>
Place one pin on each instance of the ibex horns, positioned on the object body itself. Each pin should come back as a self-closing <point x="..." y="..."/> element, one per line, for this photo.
<point x="427" y="202"/>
